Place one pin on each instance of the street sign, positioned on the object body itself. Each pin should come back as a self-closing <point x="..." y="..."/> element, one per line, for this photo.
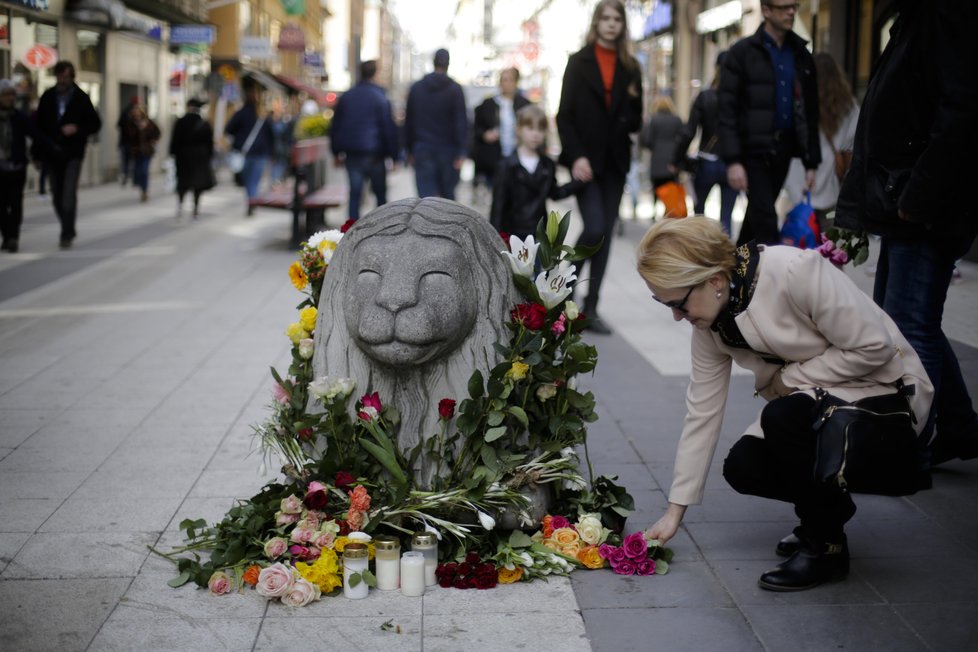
<point x="255" y="47"/>
<point x="191" y="34"/>
<point x="39" y="57"/>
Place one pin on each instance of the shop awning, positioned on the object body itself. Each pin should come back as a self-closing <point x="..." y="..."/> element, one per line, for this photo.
<point x="295" y="86"/>
<point x="267" y="80"/>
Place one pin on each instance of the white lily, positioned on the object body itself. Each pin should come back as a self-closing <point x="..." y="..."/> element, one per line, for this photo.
<point x="488" y="522"/>
<point x="522" y="255"/>
<point x="554" y="286"/>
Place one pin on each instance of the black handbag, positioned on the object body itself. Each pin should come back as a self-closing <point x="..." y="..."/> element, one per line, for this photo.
<point x="867" y="446"/>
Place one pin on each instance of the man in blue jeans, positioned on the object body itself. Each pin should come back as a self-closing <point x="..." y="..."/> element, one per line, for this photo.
<point x="364" y="137"/>
<point x="908" y="183"/>
<point x="436" y="131"/>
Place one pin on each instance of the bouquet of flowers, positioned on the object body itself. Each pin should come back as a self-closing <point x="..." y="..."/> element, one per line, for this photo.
<point x="637" y="556"/>
<point x="842" y="246"/>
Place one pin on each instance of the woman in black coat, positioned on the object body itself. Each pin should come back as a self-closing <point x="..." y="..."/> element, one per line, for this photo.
<point x="600" y="105"/>
<point x="192" y="147"/>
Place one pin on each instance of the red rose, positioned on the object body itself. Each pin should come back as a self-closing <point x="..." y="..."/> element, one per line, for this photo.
<point x="446" y="408"/>
<point x="344" y="527"/>
<point x="305" y="434"/>
<point x="316" y="496"/>
<point x="485" y="581"/>
<point x="446" y="582"/>
<point x="464" y="569"/>
<point x="472" y="558"/>
<point x="460" y="583"/>
<point x="344" y="480"/>
<point x="505" y="237"/>
<point x="346" y="225"/>
<point x="533" y="316"/>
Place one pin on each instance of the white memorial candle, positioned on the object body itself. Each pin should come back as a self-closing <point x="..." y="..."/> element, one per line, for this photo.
<point x="412" y="573"/>
<point x="388" y="563"/>
<point x="427" y="544"/>
<point x="354" y="561"/>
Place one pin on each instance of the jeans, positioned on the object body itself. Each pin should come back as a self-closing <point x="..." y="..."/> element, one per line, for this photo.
<point x="598" y="202"/>
<point x="709" y="174"/>
<point x="780" y="465"/>
<point x="434" y="171"/>
<point x="360" y="167"/>
<point x="912" y="278"/>
<point x="140" y="172"/>
<point x="765" y="176"/>
<point x="64" y="193"/>
<point x="252" y="172"/>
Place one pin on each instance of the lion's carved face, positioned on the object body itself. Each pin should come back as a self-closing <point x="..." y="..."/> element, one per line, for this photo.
<point x="407" y="310"/>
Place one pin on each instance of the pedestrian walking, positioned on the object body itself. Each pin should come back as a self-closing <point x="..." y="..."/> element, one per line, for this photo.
<point x="707" y="168"/>
<point x="15" y="128"/>
<point x="252" y="136"/>
<point x="192" y="149"/>
<point x="660" y="136"/>
<point x="65" y="119"/>
<point x="122" y="125"/>
<point x="838" y="114"/>
<point x="762" y="126"/>
<point x="365" y="138"/>
<point x="436" y="130"/>
<point x="802" y="327"/>
<point x="911" y="169"/>
<point x="526" y="178"/>
<point x="282" y="127"/>
<point x="494" y="126"/>
<point x="600" y="106"/>
<point x="142" y="134"/>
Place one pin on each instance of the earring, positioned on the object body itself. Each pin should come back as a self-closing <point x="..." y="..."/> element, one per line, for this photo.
<point x="719" y="294"/>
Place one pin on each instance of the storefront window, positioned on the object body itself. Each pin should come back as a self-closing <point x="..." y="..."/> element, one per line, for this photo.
<point x="89" y="51"/>
<point x="4" y="43"/>
<point x="30" y="80"/>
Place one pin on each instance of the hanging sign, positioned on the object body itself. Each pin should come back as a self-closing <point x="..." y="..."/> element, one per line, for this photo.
<point x="39" y="57"/>
<point x="292" y="39"/>
<point x="191" y="34"/>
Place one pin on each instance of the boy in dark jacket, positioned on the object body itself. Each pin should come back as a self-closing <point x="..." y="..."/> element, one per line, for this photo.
<point x="526" y="178"/>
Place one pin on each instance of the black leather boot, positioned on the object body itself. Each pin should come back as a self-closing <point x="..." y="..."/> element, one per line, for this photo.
<point x="812" y="564"/>
<point x="790" y="544"/>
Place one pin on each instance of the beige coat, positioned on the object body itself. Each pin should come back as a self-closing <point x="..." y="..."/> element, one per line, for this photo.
<point x="832" y="335"/>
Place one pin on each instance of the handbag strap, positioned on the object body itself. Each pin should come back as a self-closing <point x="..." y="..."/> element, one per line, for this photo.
<point x="252" y="136"/>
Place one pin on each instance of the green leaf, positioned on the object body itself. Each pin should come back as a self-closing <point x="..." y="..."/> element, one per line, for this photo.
<point x="520" y="539"/>
<point x="494" y="433"/>
<point x="476" y="384"/>
<point x="369" y="578"/>
<point x="180" y="579"/>
<point x="354" y="580"/>
<point x="387" y="460"/>
<point x="495" y="418"/>
<point x="520" y="415"/>
<point x="661" y="567"/>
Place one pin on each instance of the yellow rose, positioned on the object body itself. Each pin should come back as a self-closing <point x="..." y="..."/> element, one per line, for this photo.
<point x="553" y="545"/>
<point x="518" y="371"/>
<point x="590" y="558"/>
<point x="296" y="332"/>
<point x="298" y="276"/>
<point x="506" y="576"/>
<point x="307" y="317"/>
<point x="569" y="549"/>
<point x="565" y="535"/>
<point x="340" y="543"/>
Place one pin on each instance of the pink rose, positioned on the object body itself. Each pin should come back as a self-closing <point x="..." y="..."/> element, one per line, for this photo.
<point x="624" y="567"/>
<point x="325" y="539"/>
<point x="558" y="522"/>
<point x="281" y="518"/>
<point x="312" y="553"/>
<point x="275" y="581"/>
<point x="613" y="554"/>
<point x="559" y="326"/>
<point x="280" y="395"/>
<point x="317" y="496"/>
<point x="219" y="583"/>
<point x="276" y="547"/>
<point x="299" y="552"/>
<point x="645" y="567"/>
<point x="302" y="535"/>
<point x="301" y="593"/>
<point x="291" y="505"/>
<point x="635" y="546"/>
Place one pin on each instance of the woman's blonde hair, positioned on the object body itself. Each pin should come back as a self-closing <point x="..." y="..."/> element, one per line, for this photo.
<point x="681" y="253"/>
<point x="663" y="104"/>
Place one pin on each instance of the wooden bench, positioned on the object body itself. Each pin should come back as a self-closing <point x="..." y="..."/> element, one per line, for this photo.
<point x="308" y="196"/>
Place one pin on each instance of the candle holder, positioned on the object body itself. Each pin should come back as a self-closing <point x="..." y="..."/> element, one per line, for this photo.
<point x="427" y="544"/>
<point x="387" y="562"/>
<point x="355" y="560"/>
<point x="412" y="573"/>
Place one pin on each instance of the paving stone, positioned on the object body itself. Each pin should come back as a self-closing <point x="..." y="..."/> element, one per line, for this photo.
<point x="945" y="627"/>
<point x="740" y="577"/>
<point x="39" y="484"/>
<point x="687" y="584"/>
<point x="10" y="544"/>
<point x="81" y="555"/>
<point x="25" y="515"/>
<point x="349" y="633"/>
<point x="137" y="628"/>
<point x="681" y="628"/>
<point x="122" y="512"/>
<point x="505" y="631"/>
<point x="553" y="596"/>
<point x="925" y="578"/>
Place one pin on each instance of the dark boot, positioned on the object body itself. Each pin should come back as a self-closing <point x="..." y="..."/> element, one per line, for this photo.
<point x="813" y="564"/>
<point x="790" y="544"/>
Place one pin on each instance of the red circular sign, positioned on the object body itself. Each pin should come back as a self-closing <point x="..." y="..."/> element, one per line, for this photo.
<point x="39" y="57"/>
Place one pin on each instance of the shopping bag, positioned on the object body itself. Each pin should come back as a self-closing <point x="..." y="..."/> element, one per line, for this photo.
<point x="800" y="227"/>
<point x="672" y="195"/>
<point x="236" y="161"/>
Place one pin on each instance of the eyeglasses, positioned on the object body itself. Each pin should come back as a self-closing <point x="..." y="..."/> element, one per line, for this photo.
<point x="790" y="7"/>
<point x="677" y="305"/>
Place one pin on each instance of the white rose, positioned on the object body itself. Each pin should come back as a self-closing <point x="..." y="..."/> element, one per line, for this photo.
<point x="302" y="593"/>
<point x="591" y="530"/>
<point x="344" y="386"/>
<point x="306" y="346"/>
<point x="320" y="388"/>
<point x="571" y="311"/>
<point x="275" y="581"/>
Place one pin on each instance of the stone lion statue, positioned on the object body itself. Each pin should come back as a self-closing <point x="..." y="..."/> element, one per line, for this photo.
<point x="415" y="297"/>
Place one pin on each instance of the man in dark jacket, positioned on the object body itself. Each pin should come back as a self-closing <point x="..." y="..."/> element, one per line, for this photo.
<point x="494" y="125"/>
<point x="913" y="162"/>
<point x="435" y="130"/>
<point x="768" y="115"/>
<point x="66" y="118"/>
<point x="15" y="128"/>
<point x="364" y="137"/>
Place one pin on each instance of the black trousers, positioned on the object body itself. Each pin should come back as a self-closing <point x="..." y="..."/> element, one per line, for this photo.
<point x="765" y="176"/>
<point x="780" y="467"/>
<point x="598" y="202"/>
<point x="64" y="193"/>
<point x="12" y="203"/>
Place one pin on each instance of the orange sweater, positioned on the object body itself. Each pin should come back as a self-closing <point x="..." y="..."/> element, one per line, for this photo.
<point x="606" y="63"/>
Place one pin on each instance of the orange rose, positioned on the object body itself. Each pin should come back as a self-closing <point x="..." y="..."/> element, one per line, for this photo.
<point x="590" y="558"/>
<point x="550" y="543"/>
<point x="569" y="549"/>
<point x="250" y="576"/>
<point x="548" y="528"/>
<point x="506" y="576"/>
<point x="565" y="535"/>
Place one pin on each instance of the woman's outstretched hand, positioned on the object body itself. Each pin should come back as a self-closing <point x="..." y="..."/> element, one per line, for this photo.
<point x="667" y="526"/>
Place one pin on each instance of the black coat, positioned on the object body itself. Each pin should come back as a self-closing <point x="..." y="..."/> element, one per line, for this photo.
<point x="486" y="118"/>
<point x="192" y="147"/>
<point x="705" y="116"/>
<point x="747" y="96"/>
<point x="519" y="198"/>
<point x="55" y="147"/>
<point x="917" y="136"/>
<point x="587" y="127"/>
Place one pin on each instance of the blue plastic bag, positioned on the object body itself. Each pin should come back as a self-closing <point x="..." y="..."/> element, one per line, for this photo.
<point x="801" y="226"/>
